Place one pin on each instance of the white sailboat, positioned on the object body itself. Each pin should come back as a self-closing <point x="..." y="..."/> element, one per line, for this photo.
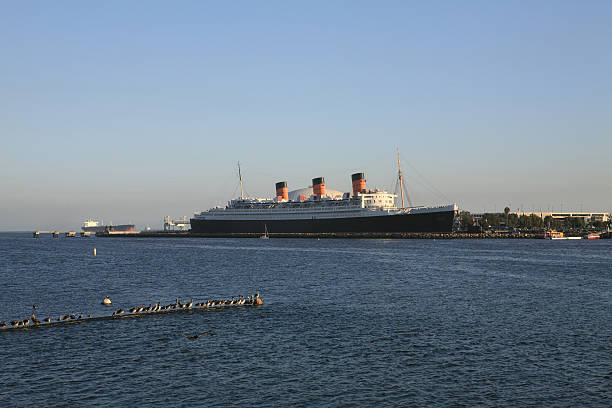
<point x="265" y="235"/>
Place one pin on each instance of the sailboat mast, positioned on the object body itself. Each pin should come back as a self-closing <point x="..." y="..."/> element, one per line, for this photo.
<point x="399" y="175"/>
<point x="240" y="177"/>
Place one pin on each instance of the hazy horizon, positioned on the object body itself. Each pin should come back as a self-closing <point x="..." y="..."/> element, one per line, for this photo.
<point x="129" y="112"/>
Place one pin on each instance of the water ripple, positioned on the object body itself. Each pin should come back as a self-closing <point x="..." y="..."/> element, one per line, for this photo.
<point x="345" y="323"/>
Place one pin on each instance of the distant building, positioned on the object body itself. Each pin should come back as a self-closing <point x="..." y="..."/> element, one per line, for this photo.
<point x="586" y="216"/>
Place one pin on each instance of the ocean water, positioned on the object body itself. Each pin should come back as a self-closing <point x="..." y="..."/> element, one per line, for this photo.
<point x="430" y="323"/>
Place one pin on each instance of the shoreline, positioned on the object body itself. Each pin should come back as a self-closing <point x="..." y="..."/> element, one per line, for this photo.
<point x="328" y="235"/>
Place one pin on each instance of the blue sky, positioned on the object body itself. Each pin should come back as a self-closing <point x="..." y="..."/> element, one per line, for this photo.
<point x="130" y="111"/>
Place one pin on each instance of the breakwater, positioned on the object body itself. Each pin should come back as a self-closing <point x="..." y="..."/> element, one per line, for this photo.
<point x="157" y="309"/>
<point x="330" y="235"/>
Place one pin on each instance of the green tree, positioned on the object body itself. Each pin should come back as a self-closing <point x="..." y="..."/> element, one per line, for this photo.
<point x="536" y="221"/>
<point x="574" y="222"/>
<point x="467" y="221"/>
<point x="549" y="221"/>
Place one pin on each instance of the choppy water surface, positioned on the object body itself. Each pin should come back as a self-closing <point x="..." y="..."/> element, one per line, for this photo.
<point x="344" y="323"/>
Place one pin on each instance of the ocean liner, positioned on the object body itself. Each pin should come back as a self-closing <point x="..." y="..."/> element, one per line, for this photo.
<point x="362" y="211"/>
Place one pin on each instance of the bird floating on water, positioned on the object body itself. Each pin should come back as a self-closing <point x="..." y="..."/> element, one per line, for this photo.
<point x="195" y="336"/>
<point x="106" y="301"/>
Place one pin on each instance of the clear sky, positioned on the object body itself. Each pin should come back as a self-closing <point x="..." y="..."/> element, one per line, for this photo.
<point x="129" y="111"/>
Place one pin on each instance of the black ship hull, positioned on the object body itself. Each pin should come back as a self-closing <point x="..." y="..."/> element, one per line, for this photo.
<point x="440" y="221"/>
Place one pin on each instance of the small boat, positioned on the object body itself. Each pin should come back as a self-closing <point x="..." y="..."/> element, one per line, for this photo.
<point x="557" y="235"/>
<point x="265" y="235"/>
<point x="553" y="235"/>
<point x="593" y="236"/>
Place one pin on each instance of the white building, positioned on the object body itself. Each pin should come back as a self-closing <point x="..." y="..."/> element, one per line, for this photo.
<point x="586" y="216"/>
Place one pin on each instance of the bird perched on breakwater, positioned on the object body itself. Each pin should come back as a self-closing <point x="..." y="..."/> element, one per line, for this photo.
<point x="107" y="301"/>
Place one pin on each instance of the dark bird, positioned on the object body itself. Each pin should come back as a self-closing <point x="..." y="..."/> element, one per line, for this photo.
<point x="48" y="320"/>
<point x="4" y="324"/>
<point x="34" y="307"/>
<point x="195" y="336"/>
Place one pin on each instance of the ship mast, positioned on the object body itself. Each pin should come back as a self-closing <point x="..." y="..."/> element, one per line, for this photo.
<point x="240" y="177"/>
<point x="399" y="175"/>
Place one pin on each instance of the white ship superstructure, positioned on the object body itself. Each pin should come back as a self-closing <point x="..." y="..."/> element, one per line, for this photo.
<point x="366" y="204"/>
<point x="89" y="223"/>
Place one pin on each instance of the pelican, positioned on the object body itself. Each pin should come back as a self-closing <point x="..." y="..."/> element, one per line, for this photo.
<point x="190" y="304"/>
